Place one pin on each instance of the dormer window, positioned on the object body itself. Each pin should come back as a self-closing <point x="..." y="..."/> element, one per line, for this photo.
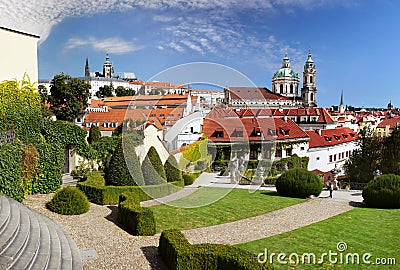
<point x="114" y="124"/>
<point x="284" y="131"/>
<point x="106" y="124"/>
<point x="257" y="131"/>
<point x="336" y="137"/>
<point x="328" y="139"/>
<point x="272" y="132"/>
<point x="238" y="133"/>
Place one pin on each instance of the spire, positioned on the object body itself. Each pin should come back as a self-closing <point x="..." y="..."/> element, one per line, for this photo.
<point x="87" y="69"/>
<point x="341" y="99"/>
<point x="309" y="59"/>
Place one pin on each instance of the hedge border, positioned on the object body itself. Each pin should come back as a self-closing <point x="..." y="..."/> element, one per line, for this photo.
<point x="179" y="254"/>
<point x="97" y="192"/>
<point x="136" y="219"/>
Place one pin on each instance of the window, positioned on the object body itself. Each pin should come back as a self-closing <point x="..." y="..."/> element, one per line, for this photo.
<point x="330" y="158"/>
<point x="239" y="133"/>
<point x="257" y="131"/>
<point x="153" y="115"/>
<point x="311" y="96"/>
<point x="317" y="158"/>
<point x="281" y="88"/>
<point x="219" y="134"/>
<point x="291" y="89"/>
<point x="288" y="152"/>
<point x="278" y="153"/>
<point x="302" y="148"/>
<point x="311" y="79"/>
<point x="106" y="124"/>
<point x="334" y="157"/>
<point x="114" y="124"/>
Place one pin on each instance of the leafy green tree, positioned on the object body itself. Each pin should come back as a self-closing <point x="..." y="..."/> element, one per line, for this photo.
<point x="94" y="134"/>
<point x="391" y="153"/>
<point x="152" y="168"/>
<point x="69" y="96"/>
<point x="172" y="170"/>
<point x="121" y="91"/>
<point x="105" y="91"/>
<point x="364" y="161"/>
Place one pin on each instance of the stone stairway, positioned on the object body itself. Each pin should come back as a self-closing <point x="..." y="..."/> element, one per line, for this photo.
<point x="30" y="240"/>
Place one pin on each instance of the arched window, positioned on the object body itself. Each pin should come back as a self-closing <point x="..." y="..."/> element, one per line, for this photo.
<point x="305" y="79"/>
<point x="291" y="89"/>
<point x="281" y="88"/>
<point x="311" y="96"/>
<point x="311" y="79"/>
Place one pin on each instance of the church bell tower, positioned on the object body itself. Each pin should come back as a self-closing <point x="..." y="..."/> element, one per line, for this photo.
<point x="309" y="90"/>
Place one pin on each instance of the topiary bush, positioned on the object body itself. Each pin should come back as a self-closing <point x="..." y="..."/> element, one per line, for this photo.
<point x="69" y="201"/>
<point x="189" y="178"/>
<point x="383" y="192"/>
<point x="298" y="183"/>
<point x="172" y="171"/>
<point x="94" y="134"/>
<point x="118" y="173"/>
<point x="152" y="168"/>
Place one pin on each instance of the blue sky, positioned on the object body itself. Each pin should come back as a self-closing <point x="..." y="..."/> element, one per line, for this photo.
<point x="355" y="44"/>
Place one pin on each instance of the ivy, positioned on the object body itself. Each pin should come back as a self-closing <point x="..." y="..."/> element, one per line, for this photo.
<point x="10" y="170"/>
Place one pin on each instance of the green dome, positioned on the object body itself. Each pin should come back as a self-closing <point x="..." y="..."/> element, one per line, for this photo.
<point x="285" y="72"/>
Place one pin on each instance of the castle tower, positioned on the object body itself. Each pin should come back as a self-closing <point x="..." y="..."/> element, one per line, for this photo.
<point x="87" y="69"/>
<point x="309" y="90"/>
<point x="108" y="69"/>
<point x="286" y="81"/>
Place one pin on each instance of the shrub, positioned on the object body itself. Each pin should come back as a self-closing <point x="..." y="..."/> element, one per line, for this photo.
<point x="97" y="192"/>
<point x="172" y="171"/>
<point x="383" y="192"/>
<point x="179" y="254"/>
<point x="117" y="173"/>
<point x="298" y="183"/>
<point x="152" y="168"/>
<point x="189" y="178"/>
<point x="69" y="201"/>
<point x="136" y="219"/>
<point x="10" y="170"/>
<point x="94" y="134"/>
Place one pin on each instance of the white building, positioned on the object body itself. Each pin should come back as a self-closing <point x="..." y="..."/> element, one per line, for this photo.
<point x="18" y="54"/>
<point x="330" y="148"/>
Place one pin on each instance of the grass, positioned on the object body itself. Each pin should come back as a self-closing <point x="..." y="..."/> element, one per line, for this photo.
<point x="364" y="230"/>
<point x="226" y="205"/>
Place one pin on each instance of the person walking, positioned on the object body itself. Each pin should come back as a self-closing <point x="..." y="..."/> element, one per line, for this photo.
<point x="330" y="188"/>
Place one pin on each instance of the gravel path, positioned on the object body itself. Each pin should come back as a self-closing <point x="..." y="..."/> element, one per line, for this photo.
<point x="276" y="222"/>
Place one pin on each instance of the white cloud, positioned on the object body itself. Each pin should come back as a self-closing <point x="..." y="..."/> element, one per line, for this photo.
<point x="38" y="17"/>
<point x="110" y="45"/>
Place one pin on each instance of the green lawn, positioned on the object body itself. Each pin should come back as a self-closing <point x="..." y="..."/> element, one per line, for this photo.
<point x="228" y="205"/>
<point x="364" y="230"/>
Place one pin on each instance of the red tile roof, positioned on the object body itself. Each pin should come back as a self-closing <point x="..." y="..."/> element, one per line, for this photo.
<point x="256" y="93"/>
<point x="330" y="137"/>
<point x="391" y="122"/>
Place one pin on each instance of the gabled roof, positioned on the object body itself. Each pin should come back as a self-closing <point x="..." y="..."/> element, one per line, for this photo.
<point x="331" y="137"/>
<point x="391" y="122"/>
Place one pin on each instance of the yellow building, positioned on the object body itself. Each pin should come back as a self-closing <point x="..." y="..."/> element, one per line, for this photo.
<point x="18" y="54"/>
<point x="384" y="129"/>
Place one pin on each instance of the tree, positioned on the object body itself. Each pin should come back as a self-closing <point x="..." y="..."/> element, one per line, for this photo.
<point x="391" y="153"/>
<point x="69" y="96"/>
<point x="94" y="134"/>
<point x="152" y="168"/>
<point x="172" y="170"/>
<point x="105" y="91"/>
<point x="362" y="164"/>
<point x="121" y="91"/>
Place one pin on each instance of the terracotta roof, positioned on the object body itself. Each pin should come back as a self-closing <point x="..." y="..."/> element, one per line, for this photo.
<point x="235" y="129"/>
<point x="330" y="137"/>
<point x="259" y="93"/>
<point x="391" y="122"/>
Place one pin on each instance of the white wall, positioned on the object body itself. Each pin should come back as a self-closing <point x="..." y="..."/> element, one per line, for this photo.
<point x="18" y="54"/>
<point x="151" y="139"/>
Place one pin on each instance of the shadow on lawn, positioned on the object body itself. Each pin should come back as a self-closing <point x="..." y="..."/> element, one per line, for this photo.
<point x="270" y="193"/>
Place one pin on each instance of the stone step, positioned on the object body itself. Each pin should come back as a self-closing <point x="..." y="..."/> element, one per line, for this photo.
<point x="4" y="212"/>
<point x="29" y="254"/>
<point x="31" y="240"/>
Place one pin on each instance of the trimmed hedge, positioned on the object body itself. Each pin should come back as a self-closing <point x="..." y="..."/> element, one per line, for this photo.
<point x="69" y="201"/>
<point x="298" y="183"/>
<point x="136" y="219"/>
<point x="383" y="192"/>
<point x="172" y="170"/>
<point x="10" y="170"/>
<point x="189" y="178"/>
<point x="179" y="254"/>
<point x="152" y="168"/>
<point x="97" y="192"/>
<point x="118" y="173"/>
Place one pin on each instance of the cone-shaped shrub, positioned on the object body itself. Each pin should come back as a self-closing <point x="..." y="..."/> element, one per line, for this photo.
<point x="152" y="168"/>
<point x="124" y="167"/>
<point x="383" y="192"/>
<point x="298" y="183"/>
<point x="172" y="170"/>
<point x="69" y="201"/>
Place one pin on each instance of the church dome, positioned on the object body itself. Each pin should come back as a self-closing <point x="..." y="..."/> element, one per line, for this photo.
<point x="285" y="70"/>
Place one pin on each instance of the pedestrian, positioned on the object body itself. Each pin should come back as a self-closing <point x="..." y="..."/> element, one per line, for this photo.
<point x="330" y="189"/>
